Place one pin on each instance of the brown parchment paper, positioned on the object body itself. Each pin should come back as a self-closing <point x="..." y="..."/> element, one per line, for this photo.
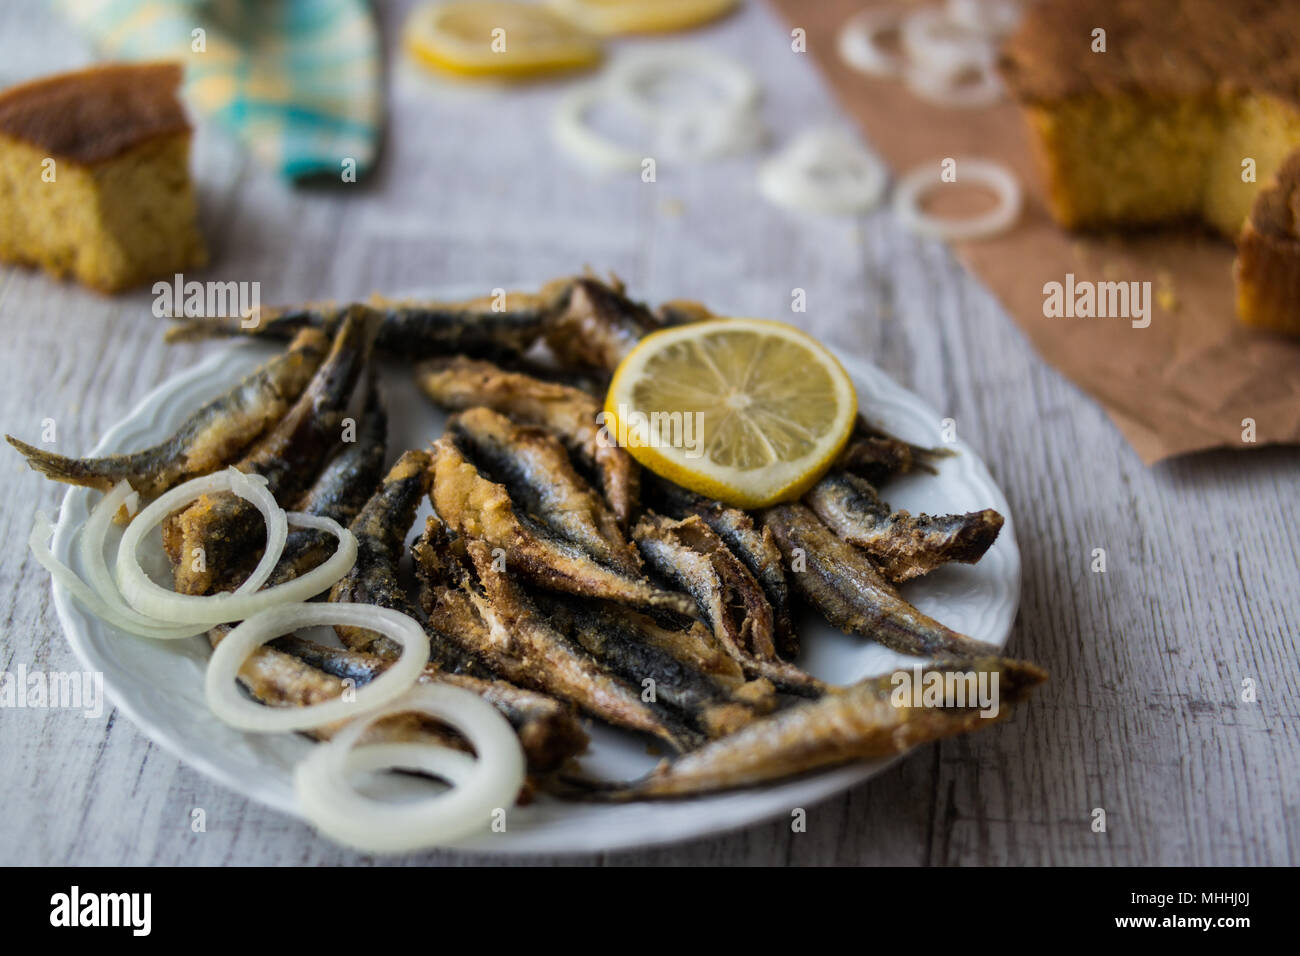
<point x="1187" y="381"/>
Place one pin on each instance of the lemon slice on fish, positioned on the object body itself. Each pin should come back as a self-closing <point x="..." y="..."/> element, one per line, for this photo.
<point x="610" y="17"/>
<point x="497" y="39"/>
<point x="748" y="411"/>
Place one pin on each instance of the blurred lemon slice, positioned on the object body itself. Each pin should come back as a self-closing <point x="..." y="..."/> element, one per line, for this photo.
<point x="748" y="411"/>
<point x="609" y="17"/>
<point x="497" y="39"/>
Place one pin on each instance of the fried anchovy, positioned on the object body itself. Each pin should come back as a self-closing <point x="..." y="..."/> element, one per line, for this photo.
<point x="535" y="469"/>
<point x="380" y="529"/>
<point x="905" y="546"/>
<point x="683" y="312"/>
<point x="502" y="627"/>
<point x="599" y="326"/>
<point x="338" y="493"/>
<point x="461" y="383"/>
<point x="691" y="556"/>
<point x="844" y="586"/>
<point x="548" y="729"/>
<point x="753" y="545"/>
<point x="210" y="438"/>
<point x="476" y="508"/>
<point x="407" y="329"/>
<point x="612" y="638"/>
<point x="877" y="456"/>
<point x="869" y="720"/>
<point x="224" y="527"/>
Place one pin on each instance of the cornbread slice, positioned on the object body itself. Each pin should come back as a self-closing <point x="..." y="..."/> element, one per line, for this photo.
<point x="1268" y="255"/>
<point x="1156" y="128"/>
<point x="94" y="179"/>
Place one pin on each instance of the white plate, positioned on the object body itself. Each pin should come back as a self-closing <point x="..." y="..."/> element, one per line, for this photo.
<point x="159" y="685"/>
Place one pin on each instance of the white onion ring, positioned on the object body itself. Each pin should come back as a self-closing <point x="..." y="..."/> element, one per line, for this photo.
<point x="707" y="133"/>
<point x="944" y="89"/>
<point x="82" y="592"/>
<point x="937" y="45"/>
<point x="920" y="180"/>
<point x="858" y="42"/>
<point x="856" y="180"/>
<point x="227" y="703"/>
<point x="575" y="136"/>
<point x="629" y="81"/>
<point x="100" y="579"/>
<point x="992" y="17"/>
<point x="151" y="599"/>
<point x="492" y="781"/>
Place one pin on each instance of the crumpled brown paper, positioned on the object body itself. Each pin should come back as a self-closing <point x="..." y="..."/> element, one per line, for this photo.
<point x="1187" y="382"/>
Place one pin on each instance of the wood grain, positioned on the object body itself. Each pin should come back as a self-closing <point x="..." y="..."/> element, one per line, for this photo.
<point x="1143" y="715"/>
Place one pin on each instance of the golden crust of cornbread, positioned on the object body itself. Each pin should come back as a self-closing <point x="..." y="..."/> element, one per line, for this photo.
<point x="90" y="116"/>
<point x="1268" y="255"/>
<point x="1156" y="48"/>
<point x="94" y="176"/>
<point x="1161" y="126"/>
<point x="1155" y="129"/>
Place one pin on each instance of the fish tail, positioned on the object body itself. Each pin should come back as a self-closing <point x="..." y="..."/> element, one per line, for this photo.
<point x="88" y="472"/>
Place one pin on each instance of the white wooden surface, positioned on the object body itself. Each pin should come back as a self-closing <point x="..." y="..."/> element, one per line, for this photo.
<point x="1143" y="716"/>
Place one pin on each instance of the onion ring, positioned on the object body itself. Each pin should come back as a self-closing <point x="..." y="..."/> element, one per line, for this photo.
<point x="823" y="171"/>
<point x="944" y="89"/>
<point x="858" y="42"/>
<point x="575" y="136"/>
<point x="151" y="599"/>
<point x="992" y="17"/>
<point x="100" y="579"/>
<point x="481" y="786"/>
<point x="985" y="172"/>
<point x="630" y="81"/>
<point x="936" y="44"/>
<point x="226" y="702"/>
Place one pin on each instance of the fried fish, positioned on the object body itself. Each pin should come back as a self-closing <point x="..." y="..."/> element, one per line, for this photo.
<point x="535" y="469"/>
<point x="842" y="583"/>
<point x="476" y="508"/>
<point x="407" y="329"/>
<point x="599" y="326"/>
<point x="691" y="556"/>
<point x="461" y="383"/>
<point x="209" y="439"/>
<point x="869" y="720"/>
<point x="225" y="528"/>
<point x="904" y="546"/>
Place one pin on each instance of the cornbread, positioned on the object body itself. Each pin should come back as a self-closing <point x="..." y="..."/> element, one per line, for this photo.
<point x="1268" y="255"/>
<point x="1190" y="109"/>
<point x="94" y="179"/>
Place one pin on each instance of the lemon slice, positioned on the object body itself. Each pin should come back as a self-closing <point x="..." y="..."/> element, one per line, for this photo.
<point x="497" y="39"/>
<point x="748" y="411"/>
<point x="609" y="17"/>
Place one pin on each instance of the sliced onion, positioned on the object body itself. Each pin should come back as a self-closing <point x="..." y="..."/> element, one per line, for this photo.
<point x="492" y="781"/>
<point x="151" y="599"/>
<point x="93" y="534"/>
<point x="83" y="593"/>
<point x="992" y="17"/>
<point x="951" y="91"/>
<point x="631" y="81"/>
<point x="916" y="183"/>
<point x="707" y="133"/>
<point x="937" y="45"/>
<point x="859" y="42"/>
<point x="823" y="171"/>
<point x="575" y="135"/>
<point x="226" y="701"/>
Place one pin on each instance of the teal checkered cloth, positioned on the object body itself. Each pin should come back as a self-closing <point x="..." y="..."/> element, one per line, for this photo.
<point x="297" y="81"/>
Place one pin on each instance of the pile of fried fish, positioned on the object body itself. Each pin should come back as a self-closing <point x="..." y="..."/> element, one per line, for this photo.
<point x="555" y="577"/>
